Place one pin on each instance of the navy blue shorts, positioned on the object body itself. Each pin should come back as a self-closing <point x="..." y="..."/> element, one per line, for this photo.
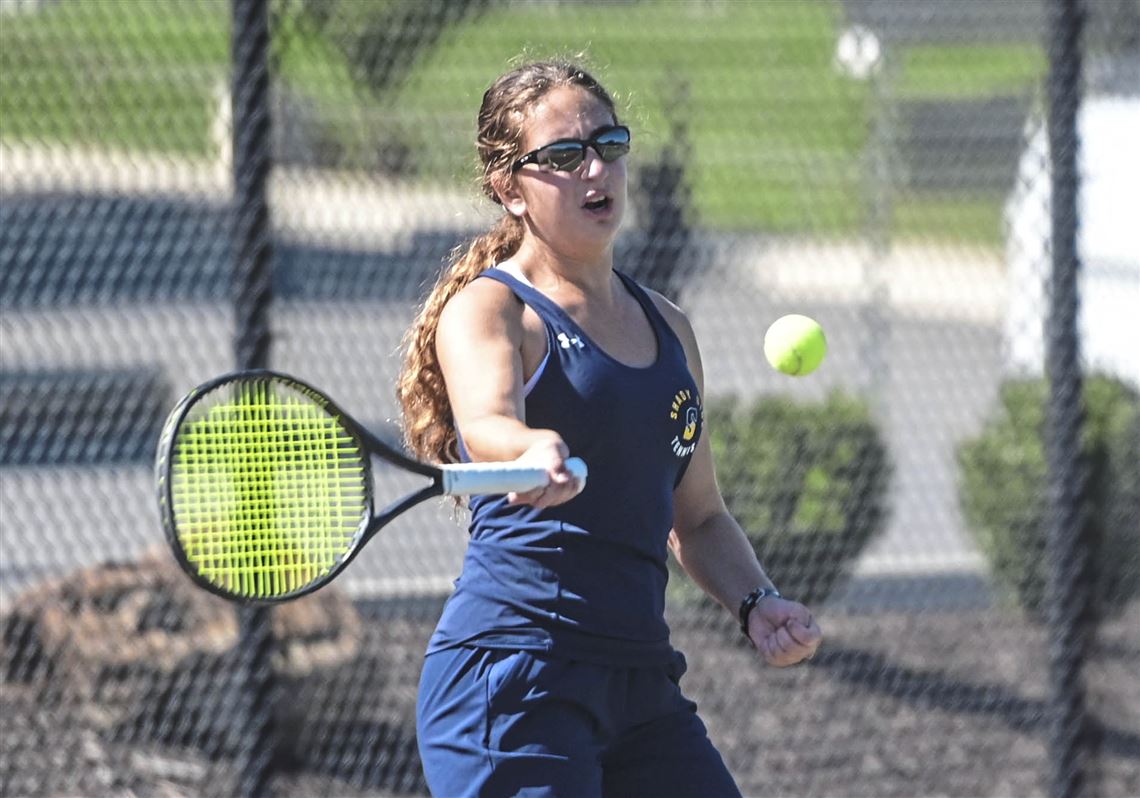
<point x="494" y="722"/>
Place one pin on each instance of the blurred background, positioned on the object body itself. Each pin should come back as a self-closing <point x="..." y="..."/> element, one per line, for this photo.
<point x="880" y="165"/>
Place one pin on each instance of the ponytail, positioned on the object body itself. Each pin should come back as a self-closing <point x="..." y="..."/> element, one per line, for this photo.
<point x="429" y="430"/>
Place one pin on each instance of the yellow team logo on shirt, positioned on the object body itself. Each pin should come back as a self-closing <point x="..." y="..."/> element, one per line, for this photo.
<point x="686" y="408"/>
<point x="690" y="424"/>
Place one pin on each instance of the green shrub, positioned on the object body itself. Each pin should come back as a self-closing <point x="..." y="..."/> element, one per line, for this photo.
<point x="1004" y="490"/>
<point x="807" y="482"/>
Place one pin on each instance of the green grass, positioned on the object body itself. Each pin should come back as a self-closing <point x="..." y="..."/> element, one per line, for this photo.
<point x="972" y="219"/>
<point x="114" y="73"/>
<point x="140" y="74"/>
<point x="775" y="134"/>
<point x="969" y="71"/>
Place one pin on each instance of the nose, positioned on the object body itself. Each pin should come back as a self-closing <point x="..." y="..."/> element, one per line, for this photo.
<point x="592" y="164"/>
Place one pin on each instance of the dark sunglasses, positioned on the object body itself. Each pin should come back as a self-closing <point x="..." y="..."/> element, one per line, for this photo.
<point x="566" y="155"/>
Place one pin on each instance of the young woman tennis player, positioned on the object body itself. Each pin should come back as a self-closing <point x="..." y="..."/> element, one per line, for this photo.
<point x="551" y="670"/>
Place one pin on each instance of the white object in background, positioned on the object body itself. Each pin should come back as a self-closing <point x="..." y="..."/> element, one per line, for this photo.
<point x="858" y="52"/>
<point x="1108" y="243"/>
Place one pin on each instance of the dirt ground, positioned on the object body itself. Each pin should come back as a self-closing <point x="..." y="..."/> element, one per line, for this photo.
<point x="895" y="704"/>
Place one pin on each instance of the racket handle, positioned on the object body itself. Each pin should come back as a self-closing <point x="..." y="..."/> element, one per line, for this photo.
<point x="462" y="479"/>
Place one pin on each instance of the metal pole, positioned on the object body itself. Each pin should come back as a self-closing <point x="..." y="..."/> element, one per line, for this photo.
<point x="252" y="296"/>
<point x="251" y="164"/>
<point x="1070" y="595"/>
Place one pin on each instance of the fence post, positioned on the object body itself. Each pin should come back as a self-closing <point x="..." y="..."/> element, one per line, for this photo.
<point x="253" y="282"/>
<point x="1070" y="595"/>
<point x="665" y="257"/>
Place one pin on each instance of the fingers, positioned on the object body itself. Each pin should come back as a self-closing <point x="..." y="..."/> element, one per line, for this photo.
<point x="549" y="454"/>
<point x="550" y="496"/>
<point x="807" y="634"/>
<point x="791" y="643"/>
<point x="563" y="487"/>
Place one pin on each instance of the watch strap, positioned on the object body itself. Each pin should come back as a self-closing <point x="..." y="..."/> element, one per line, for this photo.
<point x="749" y="603"/>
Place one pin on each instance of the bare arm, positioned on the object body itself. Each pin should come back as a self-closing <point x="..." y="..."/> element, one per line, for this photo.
<point x="713" y="549"/>
<point x="479" y="345"/>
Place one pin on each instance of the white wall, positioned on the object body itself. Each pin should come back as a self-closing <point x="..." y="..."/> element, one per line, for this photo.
<point x="1108" y="243"/>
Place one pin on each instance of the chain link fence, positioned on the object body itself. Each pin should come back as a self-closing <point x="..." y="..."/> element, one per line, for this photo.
<point x="882" y="166"/>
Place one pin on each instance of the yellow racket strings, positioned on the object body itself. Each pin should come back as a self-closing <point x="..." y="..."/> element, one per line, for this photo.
<point x="268" y="489"/>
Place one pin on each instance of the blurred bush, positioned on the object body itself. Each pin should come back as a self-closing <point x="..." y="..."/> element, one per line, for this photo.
<point x="1004" y="490"/>
<point x="806" y="481"/>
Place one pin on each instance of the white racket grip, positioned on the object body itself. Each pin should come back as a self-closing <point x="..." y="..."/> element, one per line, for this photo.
<point x="463" y="479"/>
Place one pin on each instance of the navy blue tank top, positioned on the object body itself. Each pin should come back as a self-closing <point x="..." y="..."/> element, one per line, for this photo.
<point x="586" y="579"/>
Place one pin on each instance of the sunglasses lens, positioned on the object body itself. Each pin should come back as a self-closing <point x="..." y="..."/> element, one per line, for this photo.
<point x="562" y="157"/>
<point x="611" y="152"/>
<point x="613" y="144"/>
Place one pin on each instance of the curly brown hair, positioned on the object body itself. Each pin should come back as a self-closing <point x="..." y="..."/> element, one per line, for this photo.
<point x="428" y="427"/>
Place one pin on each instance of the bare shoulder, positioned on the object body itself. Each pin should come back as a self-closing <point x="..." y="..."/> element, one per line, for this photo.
<point x="480" y="303"/>
<point x="675" y="317"/>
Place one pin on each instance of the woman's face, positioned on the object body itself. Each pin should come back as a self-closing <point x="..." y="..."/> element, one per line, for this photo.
<point x="576" y="212"/>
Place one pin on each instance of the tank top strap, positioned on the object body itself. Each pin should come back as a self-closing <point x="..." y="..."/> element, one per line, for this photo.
<point x="661" y="326"/>
<point x="548" y="310"/>
<point x="554" y="316"/>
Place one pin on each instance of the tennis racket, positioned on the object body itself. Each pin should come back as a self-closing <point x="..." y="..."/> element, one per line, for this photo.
<point x="265" y="486"/>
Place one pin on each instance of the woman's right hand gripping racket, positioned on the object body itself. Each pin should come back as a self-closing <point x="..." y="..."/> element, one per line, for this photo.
<point x="265" y="486"/>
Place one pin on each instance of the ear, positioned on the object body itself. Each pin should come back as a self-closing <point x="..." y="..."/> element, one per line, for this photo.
<point x="508" y="192"/>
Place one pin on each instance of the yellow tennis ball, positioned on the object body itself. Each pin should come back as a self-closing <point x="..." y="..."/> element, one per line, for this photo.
<point x="795" y="345"/>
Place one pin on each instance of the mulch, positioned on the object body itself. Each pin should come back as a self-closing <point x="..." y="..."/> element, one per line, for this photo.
<point x="945" y="703"/>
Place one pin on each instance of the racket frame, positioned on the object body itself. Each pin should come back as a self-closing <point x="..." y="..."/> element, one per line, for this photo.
<point x="369" y="445"/>
<point x="444" y="479"/>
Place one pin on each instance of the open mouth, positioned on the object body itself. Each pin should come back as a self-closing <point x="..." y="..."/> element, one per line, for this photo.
<point x="597" y="203"/>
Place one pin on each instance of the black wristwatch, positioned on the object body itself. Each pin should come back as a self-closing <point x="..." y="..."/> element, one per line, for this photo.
<point x="749" y="603"/>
